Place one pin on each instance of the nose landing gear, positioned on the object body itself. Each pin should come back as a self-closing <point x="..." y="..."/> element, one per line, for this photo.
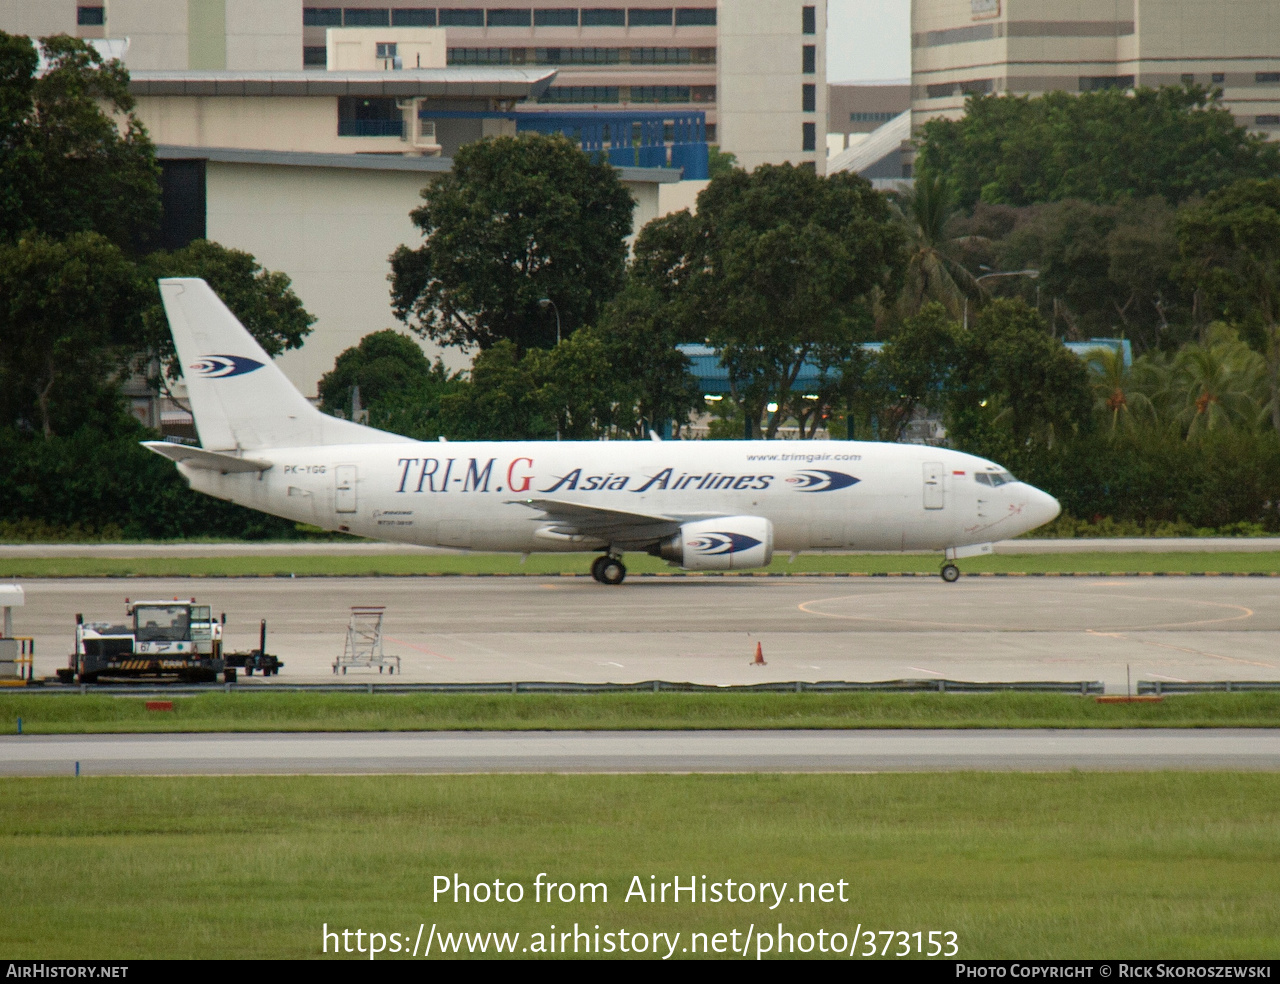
<point x="950" y="573"/>
<point x="608" y="569"/>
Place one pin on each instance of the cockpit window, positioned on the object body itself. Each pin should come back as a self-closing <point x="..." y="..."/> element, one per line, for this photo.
<point x="993" y="478"/>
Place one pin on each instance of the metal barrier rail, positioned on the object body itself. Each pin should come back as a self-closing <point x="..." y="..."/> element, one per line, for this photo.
<point x="1161" y="687"/>
<point x="1083" y="687"/>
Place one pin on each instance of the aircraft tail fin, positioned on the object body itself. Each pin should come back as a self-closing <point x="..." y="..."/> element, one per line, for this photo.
<point x="240" y="399"/>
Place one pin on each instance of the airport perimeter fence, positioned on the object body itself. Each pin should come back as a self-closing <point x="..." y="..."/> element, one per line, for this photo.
<point x="1083" y="687"/>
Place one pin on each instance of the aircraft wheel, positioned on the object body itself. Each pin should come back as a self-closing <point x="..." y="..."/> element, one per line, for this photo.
<point x="596" y="565"/>
<point x="950" y="573"/>
<point x="612" y="571"/>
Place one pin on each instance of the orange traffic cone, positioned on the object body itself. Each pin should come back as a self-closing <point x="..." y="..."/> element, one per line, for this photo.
<point x="759" y="660"/>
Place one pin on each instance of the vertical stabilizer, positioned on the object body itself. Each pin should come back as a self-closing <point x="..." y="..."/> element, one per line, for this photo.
<point x="240" y="399"/>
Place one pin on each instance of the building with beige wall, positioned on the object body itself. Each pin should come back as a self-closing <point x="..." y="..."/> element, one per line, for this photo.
<point x="756" y="67"/>
<point x="1021" y="47"/>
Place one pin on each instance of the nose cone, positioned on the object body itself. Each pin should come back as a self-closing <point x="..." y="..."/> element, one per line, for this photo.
<point x="1041" y="508"/>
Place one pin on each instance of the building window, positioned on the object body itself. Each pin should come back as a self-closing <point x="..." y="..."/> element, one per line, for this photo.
<point x="695" y="17"/>
<point x="1267" y="78"/>
<point x="1188" y="79"/>
<point x="372" y="117"/>
<point x="940" y="90"/>
<point x="479" y="56"/>
<point x="603" y="17"/>
<point x="556" y="17"/>
<point x="809" y="98"/>
<point x="702" y="93"/>
<point x="661" y="56"/>
<point x="809" y="64"/>
<point x="91" y="16"/>
<point x="1219" y="78"/>
<point x="580" y="94"/>
<point x="321" y="16"/>
<point x="644" y="17"/>
<point x="871" y="117"/>
<point x="1269" y="120"/>
<point x="660" y="94"/>
<point x="577" y="56"/>
<point x="315" y="57"/>
<point x="809" y="21"/>
<point x="455" y="17"/>
<point x="386" y="49"/>
<point x="366" y="17"/>
<point x="413" y="17"/>
<point x="810" y="136"/>
<point x="977" y="87"/>
<point x="510" y="18"/>
<point x="1099" y="83"/>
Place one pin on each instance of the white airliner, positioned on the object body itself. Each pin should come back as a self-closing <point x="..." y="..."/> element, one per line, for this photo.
<point x="703" y="505"/>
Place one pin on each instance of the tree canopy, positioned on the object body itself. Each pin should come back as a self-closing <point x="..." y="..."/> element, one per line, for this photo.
<point x="518" y="219"/>
<point x="1175" y="142"/>
<point x="1230" y="245"/>
<point x="65" y="165"/>
<point x="776" y="268"/>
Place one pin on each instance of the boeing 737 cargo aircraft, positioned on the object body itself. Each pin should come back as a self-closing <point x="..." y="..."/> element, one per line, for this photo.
<point x="706" y="506"/>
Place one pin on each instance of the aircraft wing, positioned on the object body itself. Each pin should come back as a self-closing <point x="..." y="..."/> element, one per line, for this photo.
<point x="573" y="519"/>
<point x="207" y="460"/>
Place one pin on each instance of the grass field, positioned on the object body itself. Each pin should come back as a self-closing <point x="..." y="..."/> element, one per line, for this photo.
<point x="1063" y="865"/>
<point x="543" y="564"/>
<point x="92" y="713"/>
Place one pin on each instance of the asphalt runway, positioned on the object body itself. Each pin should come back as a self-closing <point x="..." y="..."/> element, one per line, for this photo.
<point x="705" y="630"/>
<point x="665" y="752"/>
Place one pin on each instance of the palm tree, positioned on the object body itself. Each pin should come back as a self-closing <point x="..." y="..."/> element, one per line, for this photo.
<point x="927" y="213"/>
<point x="1118" y="390"/>
<point x="1221" y="384"/>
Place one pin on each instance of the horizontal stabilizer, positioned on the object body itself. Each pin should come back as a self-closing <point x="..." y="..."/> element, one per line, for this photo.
<point x="205" y="460"/>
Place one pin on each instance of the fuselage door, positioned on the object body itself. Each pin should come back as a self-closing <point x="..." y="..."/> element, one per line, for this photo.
<point x="345" y="488"/>
<point x="935" y="496"/>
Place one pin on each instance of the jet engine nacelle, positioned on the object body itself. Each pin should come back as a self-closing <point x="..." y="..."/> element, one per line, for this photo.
<point x="729" y="544"/>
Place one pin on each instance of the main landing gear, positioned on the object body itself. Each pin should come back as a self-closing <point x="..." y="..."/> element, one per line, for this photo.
<point x="950" y="573"/>
<point x="608" y="569"/>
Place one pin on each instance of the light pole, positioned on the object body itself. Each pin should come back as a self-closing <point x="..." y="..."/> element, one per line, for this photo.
<point x="547" y="302"/>
<point x="1033" y="274"/>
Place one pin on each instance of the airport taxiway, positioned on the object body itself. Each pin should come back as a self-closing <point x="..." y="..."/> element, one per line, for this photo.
<point x="666" y="752"/>
<point x="704" y="630"/>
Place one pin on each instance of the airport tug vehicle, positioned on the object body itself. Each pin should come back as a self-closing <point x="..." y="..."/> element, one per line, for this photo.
<point x="176" y="640"/>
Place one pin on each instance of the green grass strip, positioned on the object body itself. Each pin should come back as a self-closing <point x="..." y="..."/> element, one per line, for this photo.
<point x="554" y="564"/>
<point x="1070" y="865"/>
<point x="95" y="713"/>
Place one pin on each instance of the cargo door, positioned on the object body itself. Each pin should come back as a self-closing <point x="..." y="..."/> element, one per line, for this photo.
<point x="345" y="488"/>
<point x="935" y="496"/>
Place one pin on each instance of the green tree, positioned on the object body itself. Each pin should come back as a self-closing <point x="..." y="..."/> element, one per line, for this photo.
<point x="915" y="367"/>
<point x="650" y="375"/>
<point x="263" y="300"/>
<point x="1118" y="395"/>
<point x="1230" y="245"/>
<point x="518" y="219"/>
<point x="1014" y="384"/>
<point x="775" y="269"/>
<point x="65" y="165"/>
<point x="69" y="321"/>
<point x="1175" y="142"/>
<point x="384" y="364"/>
<point x="934" y="272"/>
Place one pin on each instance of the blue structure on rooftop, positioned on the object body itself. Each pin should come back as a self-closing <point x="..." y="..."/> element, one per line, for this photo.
<point x="627" y="138"/>
<point x="634" y="138"/>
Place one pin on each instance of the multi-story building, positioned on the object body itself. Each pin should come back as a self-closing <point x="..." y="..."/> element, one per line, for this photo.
<point x="755" y="68"/>
<point x="1022" y="47"/>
